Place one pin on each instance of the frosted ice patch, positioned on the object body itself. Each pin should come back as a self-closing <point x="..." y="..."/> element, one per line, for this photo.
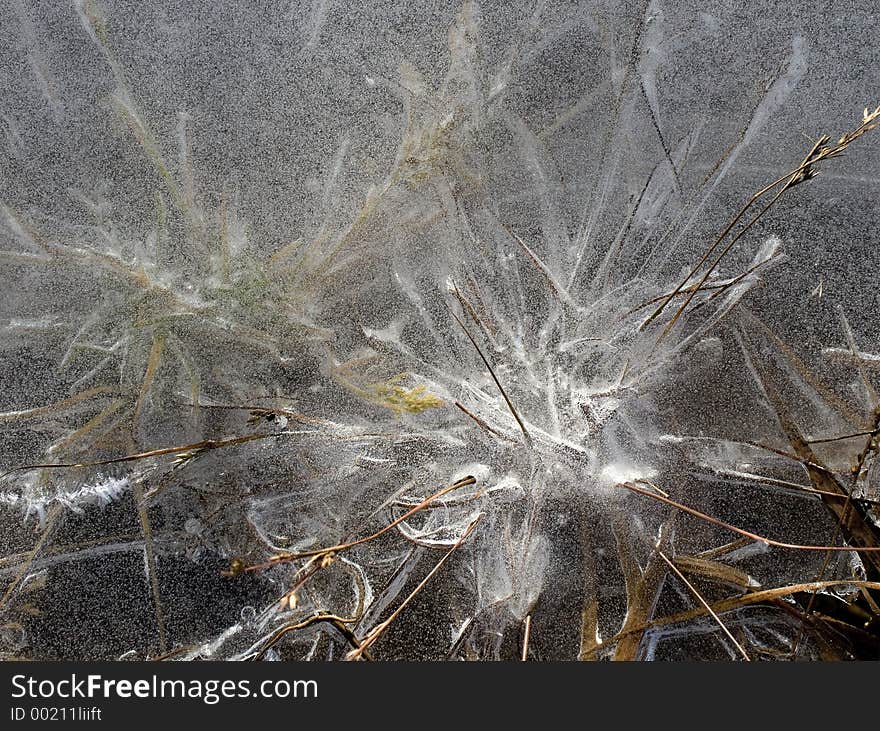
<point x="598" y="408"/>
<point x="712" y="347"/>
<point x="618" y="472"/>
<point x="768" y="249"/>
<point x="99" y="493"/>
<point x="389" y="334"/>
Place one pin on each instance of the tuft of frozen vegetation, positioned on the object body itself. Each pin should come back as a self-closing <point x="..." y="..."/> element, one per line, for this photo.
<point x="438" y="331"/>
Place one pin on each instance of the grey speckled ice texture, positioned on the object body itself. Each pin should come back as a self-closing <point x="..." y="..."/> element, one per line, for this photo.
<point x="268" y="252"/>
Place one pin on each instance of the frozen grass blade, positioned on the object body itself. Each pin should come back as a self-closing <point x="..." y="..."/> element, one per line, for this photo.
<point x="742" y="531"/>
<point x="820" y="152"/>
<point x="730" y="604"/>
<point x="705" y="604"/>
<point x="374" y="634"/>
<point x="485" y="360"/>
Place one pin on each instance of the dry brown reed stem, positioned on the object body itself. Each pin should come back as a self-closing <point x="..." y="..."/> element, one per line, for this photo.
<point x="845" y="517"/>
<point x="485" y="360"/>
<point x="718" y="288"/>
<point x="844" y="437"/>
<point x="172" y="653"/>
<point x="715" y="571"/>
<point x="184" y="452"/>
<point x="726" y="548"/>
<point x="741" y="531"/>
<point x="820" y="151"/>
<point x="726" y="605"/>
<point x="705" y="604"/>
<point x="468" y="307"/>
<point x="641" y="584"/>
<point x="331" y="551"/>
<point x="482" y="424"/>
<point x="527" y="635"/>
<point x="555" y="288"/>
<point x="374" y="634"/>
<point x="279" y="634"/>
<point x="802" y="489"/>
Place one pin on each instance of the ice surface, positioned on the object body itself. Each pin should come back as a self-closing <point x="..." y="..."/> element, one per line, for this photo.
<point x="275" y="275"/>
